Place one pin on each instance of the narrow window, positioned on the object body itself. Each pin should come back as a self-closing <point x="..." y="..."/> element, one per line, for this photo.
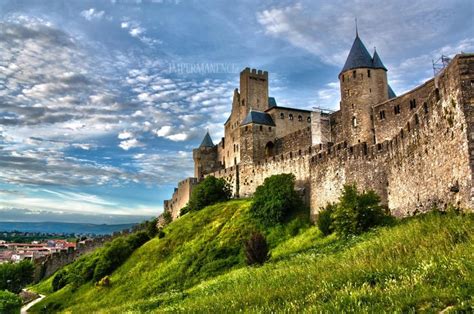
<point x="382" y="114"/>
<point x="243" y="102"/>
<point x="368" y="73"/>
<point x="425" y="107"/>
<point x="282" y="115"/>
<point x="343" y="78"/>
<point x="354" y="74"/>
<point x="417" y="120"/>
<point x="309" y="119"/>
<point x="269" y="128"/>
<point x="246" y="128"/>
<point x="290" y="116"/>
<point x="261" y="128"/>
<point x="396" y="109"/>
<point x="300" y="118"/>
<point x="354" y="122"/>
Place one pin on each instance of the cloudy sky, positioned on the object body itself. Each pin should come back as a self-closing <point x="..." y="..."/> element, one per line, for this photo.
<point x="101" y="102"/>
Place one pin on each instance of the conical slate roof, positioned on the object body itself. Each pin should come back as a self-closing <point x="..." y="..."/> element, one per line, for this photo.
<point x="377" y="62"/>
<point x="258" y="117"/>
<point x="207" y="141"/>
<point x="391" y="93"/>
<point x="358" y="57"/>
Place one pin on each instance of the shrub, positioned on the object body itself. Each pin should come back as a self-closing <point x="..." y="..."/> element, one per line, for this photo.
<point x="256" y="249"/>
<point x="10" y="303"/>
<point x="210" y="191"/>
<point x="116" y="252"/>
<point x="324" y="221"/>
<point x="167" y="219"/>
<point x="151" y="228"/>
<point x="60" y="280"/>
<point x="275" y="199"/>
<point x="357" y="212"/>
<point x="161" y="234"/>
<point x="184" y="210"/>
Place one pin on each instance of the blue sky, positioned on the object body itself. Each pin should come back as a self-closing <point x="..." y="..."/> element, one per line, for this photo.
<point x="101" y="102"/>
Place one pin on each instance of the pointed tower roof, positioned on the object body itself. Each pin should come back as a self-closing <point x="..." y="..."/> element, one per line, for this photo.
<point x="358" y="57"/>
<point x="207" y="141"/>
<point x="391" y="93"/>
<point x="377" y="62"/>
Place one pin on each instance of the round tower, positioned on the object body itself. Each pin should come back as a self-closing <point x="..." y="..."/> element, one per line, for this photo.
<point x="363" y="83"/>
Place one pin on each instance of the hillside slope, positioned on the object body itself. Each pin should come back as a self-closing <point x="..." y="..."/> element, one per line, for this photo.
<point x="422" y="263"/>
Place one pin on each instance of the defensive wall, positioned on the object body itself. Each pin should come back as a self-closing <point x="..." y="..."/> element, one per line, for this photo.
<point x="423" y="154"/>
<point x="427" y="160"/>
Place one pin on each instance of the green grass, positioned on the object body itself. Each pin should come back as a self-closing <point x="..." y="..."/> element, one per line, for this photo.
<point x="423" y="264"/>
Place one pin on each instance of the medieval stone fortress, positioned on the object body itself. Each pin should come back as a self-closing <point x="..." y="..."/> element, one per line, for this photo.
<point x="415" y="150"/>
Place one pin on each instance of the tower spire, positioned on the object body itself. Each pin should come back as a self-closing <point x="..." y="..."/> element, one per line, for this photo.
<point x="357" y="30"/>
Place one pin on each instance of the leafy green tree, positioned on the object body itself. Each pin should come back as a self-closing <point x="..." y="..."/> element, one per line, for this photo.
<point x="209" y="191"/>
<point x="357" y="212"/>
<point x="15" y="276"/>
<point x="10" y="303"/>
<point x="275" y="199"/>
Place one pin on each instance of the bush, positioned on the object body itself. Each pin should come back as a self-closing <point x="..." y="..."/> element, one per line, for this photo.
<point x="60" y="280"/>
<point x="275" y="199"/>
<point x="256" y="249"/>
<point x="210" y="191"/>
<point x="324" y="221"/>
<point x="161" y="234"/>
<point x="183" y="210"/>
<point x="10" y="303"/>
<point x="357" y="212"/>
<point x="151" y="228"/>
<point x="167" y="219"/>
<point x="116" y="252"/>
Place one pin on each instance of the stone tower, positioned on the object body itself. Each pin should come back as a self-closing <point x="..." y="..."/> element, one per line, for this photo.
<point x="257" y="137"/>
<point x="253" y="91"/>
<point x="363" y="82"/>
<point x="205" y="158"/>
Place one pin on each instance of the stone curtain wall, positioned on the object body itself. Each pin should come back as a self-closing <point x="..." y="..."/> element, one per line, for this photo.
<point x="337" y="166"/>
<point x="432" y="165"/>
<point x="47" y="265"/>
<point x="180" y="197"/>
<point x="299" y="140"/>
<point x="296" y="162"/>
<point x="426" y="164"/>
<point x="387" y="123"/>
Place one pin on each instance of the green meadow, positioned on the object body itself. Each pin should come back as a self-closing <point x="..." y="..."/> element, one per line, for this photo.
<point x="418" y="264"/>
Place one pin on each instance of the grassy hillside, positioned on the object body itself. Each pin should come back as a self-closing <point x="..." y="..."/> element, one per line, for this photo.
<point x="424" y="263"/>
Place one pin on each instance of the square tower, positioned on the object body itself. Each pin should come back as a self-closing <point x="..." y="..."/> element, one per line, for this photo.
<point x="253" y="91"/>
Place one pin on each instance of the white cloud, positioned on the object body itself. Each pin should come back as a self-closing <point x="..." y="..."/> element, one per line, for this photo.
<point x="92" y="14"/>
<point x="164" y="130"/>
<point x="130" y="143"/>
<point x="125" y="135"/>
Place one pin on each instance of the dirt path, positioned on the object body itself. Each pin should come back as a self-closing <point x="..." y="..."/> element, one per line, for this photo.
<point x="24" y="308"/>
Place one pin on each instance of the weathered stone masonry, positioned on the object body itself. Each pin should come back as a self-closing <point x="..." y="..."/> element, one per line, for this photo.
<point x="416" y="150"/>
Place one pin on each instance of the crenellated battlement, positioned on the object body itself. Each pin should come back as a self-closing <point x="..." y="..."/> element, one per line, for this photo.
<point x="255" y="73"/>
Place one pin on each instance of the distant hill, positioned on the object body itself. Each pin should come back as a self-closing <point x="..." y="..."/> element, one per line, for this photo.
<point x="62" y="227"/>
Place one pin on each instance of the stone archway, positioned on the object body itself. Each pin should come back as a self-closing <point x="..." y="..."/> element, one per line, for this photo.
<point x="269" y="149"/>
